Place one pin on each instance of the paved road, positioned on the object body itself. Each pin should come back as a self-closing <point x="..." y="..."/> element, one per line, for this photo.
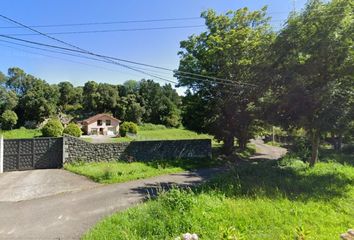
<point x="267" y="152"/>
<point x="69" y="215"/>
<point x="26" y="185"/>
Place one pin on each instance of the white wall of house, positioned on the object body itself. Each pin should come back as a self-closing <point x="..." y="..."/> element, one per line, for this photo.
<point x="105" y="128"/>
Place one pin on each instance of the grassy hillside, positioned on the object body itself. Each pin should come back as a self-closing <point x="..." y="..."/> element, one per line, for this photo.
<point x="270" y="200"/>
<point x="163" y="134"/>
<point x="21" y="133"/>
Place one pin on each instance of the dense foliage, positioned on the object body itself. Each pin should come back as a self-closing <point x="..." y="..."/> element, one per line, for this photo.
<point x="269" y="200"/>
<point x="298" y="78"/>
<point x="73" y="129"/>
<point x="53" y="128"/>
<point x="8" y="119"/>
<point x="128" y="127"/>
<point x="234" y="51"/>
<point x="34" y="100"/>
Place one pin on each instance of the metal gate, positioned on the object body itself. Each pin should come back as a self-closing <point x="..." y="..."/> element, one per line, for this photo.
<point x="36" y="153"/>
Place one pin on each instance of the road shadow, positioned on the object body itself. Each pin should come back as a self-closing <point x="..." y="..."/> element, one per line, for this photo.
<point x="191" y="180"/>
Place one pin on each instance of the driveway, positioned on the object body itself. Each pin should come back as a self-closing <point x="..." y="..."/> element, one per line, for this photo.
<point x="26" y="185"/>
<point x="69" y="215"/>
<point x="267" y="152"/>
<point x="76" y="204"/>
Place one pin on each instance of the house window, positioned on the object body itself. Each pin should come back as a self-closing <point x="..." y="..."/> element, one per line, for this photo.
<point x="108" y="122"/>
<point x="99" y="122"/>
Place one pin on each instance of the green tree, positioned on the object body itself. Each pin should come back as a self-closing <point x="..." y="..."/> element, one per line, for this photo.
<point x="131" y="87"/>
<point x="8" y="119"/>
<point x="40" y="101"/>
<point x="314" y="69"/>
<point x="234" y="47"/>
<point x="90" y="97"/>
<point x="161" y="104"/>
<point x="68" y="95"/>
<point x="8" y="99"/>
<point x="107" y="98"/>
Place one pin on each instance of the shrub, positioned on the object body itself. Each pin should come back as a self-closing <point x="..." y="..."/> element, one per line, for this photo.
<point x="302" y="148"/>
<point x="53" y="128"/>
<point x="73" y="130"/>
<point x="128" y="127"/>
<point x="8" y="119"/>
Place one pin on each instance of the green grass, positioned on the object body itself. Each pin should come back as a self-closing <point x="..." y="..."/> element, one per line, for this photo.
<point x="275" y="144"/>
<point x="164" y="134"/>
<point x="268" y="200"/>
<point x="21" y="133"/>
<point x="116" y="172"/>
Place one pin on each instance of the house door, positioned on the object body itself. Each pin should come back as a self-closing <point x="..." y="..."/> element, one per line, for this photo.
<point x="101" y="131"/>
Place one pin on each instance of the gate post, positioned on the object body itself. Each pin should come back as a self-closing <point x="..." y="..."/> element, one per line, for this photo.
<point x="1" y="154"/>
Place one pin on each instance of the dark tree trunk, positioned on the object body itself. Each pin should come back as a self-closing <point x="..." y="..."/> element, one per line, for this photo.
<point x="340" y="142"/>
<point x="315" y="146"/>
<point x="242" y="143"/>
<point x="337" y="141"/>
<point x="228" y="145"/>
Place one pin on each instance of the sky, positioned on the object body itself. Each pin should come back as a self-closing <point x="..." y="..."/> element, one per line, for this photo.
<point x="155" y="47"/>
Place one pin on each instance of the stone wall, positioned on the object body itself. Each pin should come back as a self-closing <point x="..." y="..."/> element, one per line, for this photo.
<point x="76" y="149"/>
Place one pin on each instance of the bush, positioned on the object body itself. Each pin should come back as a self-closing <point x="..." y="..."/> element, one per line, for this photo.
<point x="302" y="148"/>
<point x="53" y="128"/>
<point x="8" y="119"/>
<point x="73" y="130"/>
<point x="128" y="127"/>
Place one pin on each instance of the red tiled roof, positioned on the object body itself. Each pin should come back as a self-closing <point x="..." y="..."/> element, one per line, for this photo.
<point x="97" y="117"/>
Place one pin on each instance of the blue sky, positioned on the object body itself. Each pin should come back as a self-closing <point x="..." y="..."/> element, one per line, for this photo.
<point x="157" y="47"/>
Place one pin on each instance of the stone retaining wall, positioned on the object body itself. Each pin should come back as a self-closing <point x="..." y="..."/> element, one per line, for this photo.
<point x="76" y="149"/>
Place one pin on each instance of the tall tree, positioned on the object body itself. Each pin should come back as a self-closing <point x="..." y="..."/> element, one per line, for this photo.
<point x="234" y="47"/>
<point x="314" y="67"/>
<point x="39" y="102"/>
<point x="90" y="96"/>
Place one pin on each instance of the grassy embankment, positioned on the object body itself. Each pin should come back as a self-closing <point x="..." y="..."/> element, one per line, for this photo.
<point x="20" y="133"/>
<point x="269" y="200"/>
<point x="116" y="172"/>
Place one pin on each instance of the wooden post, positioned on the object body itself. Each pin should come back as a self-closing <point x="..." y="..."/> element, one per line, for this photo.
<point x="1" y="154"/>
<point x="273" y="135"/>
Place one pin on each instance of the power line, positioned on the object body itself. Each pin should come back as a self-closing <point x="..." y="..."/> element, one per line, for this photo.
<point x="130" y="21"/>
<point x="208" y="78"/>
<point x="91" y="58"/>
<point x="81" y="56"/>
<point x="55" y="57"/>
<point x="83" y="50"/>
<point x="109" y="22"/>
<point x="108" y="30"/>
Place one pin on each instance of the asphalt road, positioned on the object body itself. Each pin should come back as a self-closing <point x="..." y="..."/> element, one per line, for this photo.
<point x="26" y="185"/>
<point x="69" y="215"/>
<point x="76" y="204"/>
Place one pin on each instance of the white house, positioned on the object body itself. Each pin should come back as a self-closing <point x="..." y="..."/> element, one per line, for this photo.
<point x="101" y="124"/>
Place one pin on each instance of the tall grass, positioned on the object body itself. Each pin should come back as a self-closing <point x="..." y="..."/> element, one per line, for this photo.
<point x="21" y="133"/>
<point x="268" y="200"/>
<point x="116" y="172"/>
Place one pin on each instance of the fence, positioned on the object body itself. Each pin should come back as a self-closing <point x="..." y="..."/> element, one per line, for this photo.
<point x="42" y="153"/>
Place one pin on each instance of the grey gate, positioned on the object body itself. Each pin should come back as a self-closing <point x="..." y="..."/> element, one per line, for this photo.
<point x="36" y="153"/>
